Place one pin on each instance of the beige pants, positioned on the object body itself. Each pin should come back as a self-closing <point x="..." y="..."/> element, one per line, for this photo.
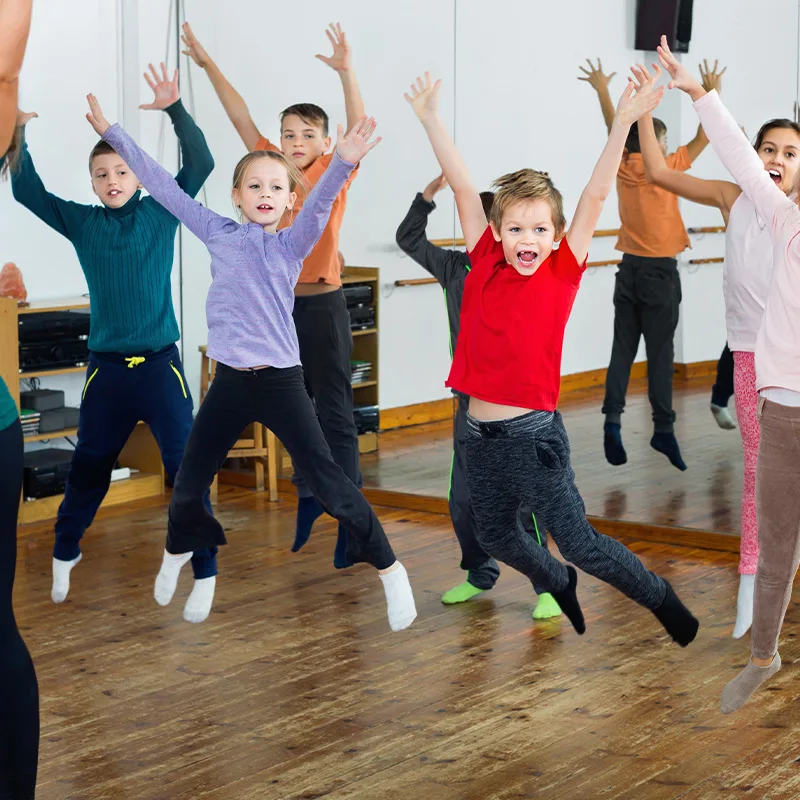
<point x="778" y="510"/>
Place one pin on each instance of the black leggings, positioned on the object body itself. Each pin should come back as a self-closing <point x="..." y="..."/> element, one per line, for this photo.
<point x="19" y="693"/>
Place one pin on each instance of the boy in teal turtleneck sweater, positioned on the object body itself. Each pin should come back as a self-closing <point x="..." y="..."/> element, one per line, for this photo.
<point x="125" y="248"/>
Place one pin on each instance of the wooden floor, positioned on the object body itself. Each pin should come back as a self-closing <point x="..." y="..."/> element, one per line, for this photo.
<point x="648" y="489"/>
<point x="296" y="688"/>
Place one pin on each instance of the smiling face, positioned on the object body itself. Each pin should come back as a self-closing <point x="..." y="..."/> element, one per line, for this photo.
<point x="527" y="233"/>
<point x="112" y="180"/>
<point x="780" y="150"/>
<point x="303" y="141"/>
<point x="264" y="193"/>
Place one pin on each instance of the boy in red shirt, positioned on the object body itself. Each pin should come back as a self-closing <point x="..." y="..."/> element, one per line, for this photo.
<point x="515" y="444"/>
<point x="320" y="311"/>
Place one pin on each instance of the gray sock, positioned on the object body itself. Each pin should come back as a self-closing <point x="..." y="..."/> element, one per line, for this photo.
<point x="739" y="690"/>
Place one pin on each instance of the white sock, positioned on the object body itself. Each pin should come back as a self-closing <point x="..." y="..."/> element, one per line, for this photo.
<point x="167" y="580"/>
<point x="61" y="571"/>
<point x="399" y="598"/>
<point x="744" y="606"/>
<point x="198" y="604"/>
<point x="723" y="417"/>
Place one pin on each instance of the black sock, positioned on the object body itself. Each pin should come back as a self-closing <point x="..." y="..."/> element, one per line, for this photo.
<point x="676" y="618"/>
<point x="568" y="600"/>
<point x="612" y="444"/>
<point x="308" y="510"/>
<point x="667" y="444"/>
<point x="340" y="558"/>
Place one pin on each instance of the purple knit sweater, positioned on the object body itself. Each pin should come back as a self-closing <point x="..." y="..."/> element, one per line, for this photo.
<point x="250" y="302"/>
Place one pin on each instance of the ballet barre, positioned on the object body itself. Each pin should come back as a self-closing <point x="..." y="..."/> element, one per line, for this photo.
<point x="706" y="260"/>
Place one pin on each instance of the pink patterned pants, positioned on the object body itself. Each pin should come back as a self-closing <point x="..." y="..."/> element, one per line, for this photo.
<point x="744" y="389"/>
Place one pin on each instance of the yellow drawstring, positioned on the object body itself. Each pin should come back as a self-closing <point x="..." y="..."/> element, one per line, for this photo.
<point x="134" y="361"/>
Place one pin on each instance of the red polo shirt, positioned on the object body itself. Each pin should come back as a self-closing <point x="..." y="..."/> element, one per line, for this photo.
<point x="512" y="327"/>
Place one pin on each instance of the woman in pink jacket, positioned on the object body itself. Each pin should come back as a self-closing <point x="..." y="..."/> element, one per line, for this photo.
<point x="777" y="361"/>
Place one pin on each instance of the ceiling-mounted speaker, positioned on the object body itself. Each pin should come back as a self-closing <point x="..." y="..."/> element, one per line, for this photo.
<point x="670" y="17"/>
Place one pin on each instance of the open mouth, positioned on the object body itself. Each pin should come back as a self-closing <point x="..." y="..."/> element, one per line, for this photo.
<point x="265" y="208"/>
<point x="114" y="193"/>
<point x="527" y="258"/>
<point x="775" y="175"/>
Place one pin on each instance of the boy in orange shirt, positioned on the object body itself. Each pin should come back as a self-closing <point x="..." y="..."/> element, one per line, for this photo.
<point x="647" y="290"/>
<point x="320" y="311"/>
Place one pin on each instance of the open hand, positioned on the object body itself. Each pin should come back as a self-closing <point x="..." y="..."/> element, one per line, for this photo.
<point x="632" y="106"/>
<point x="95" y="116"/>
<point x="711" y="78"/>
<point x="24" y="117"/>
<point x="681" y="77"/>
<point x="436" y="185"/>
<point x="424" y="97"/>
<point x="356" y="144"/>
<point x="595" y="76"/>
<point x="165" y="91"/>
<point x="194" y="49"/>
<point x="341" y="60"/>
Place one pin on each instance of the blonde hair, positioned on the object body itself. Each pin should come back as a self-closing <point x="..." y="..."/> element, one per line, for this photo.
<point x="523" y="185"/>
<point x="296" y="178"/>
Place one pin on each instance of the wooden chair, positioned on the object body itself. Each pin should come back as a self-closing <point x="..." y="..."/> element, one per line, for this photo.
<point x="257" y="442"/>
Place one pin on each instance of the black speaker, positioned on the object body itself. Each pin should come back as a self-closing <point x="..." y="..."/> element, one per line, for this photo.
<point x="670" y="17"/>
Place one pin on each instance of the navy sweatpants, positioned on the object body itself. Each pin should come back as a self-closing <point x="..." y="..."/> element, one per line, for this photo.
<point x="120" y="390"/>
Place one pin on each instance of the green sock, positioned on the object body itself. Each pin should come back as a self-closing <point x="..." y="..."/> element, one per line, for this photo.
<point x="460" y="593"/>
<point x="546" y="607"/>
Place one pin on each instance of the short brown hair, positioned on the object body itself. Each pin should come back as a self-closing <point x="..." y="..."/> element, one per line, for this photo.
<point x="487" y="201"/>
<point x="309" y="113"/>
<point x="632" y="144"/>
<point x="523" y="185"/>
<point x="296" y="179"/>
<point x="100" y="149"/>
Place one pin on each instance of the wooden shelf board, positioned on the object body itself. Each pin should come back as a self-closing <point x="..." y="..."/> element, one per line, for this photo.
<point x="40" y="437"/>
<point x="46" y="373"/>
<point x="142" y="484"/>
<point x="365" y="332"/>
<point x="364" y="384"/>
<point x="66" y="304"/>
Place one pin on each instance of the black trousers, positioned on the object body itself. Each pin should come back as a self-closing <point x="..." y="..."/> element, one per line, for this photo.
<point x="647" y="297"/>
<point x="19" y="692"/>
<point x="722" y="390"/>
<point x="277" y="398"/>
<point x="326" y="346"/>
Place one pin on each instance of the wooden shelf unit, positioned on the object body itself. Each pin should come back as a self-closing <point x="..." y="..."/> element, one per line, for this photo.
<point x="141" y="453"/>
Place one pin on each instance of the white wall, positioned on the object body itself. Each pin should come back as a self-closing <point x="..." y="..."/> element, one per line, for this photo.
<point x="510" y="101"/>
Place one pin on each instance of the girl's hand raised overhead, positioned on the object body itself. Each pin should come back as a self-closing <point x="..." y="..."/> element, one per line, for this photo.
<point x="166" y="91"/>
<point x="424" y="97"/>
<point x="95" y="116"/>
<point x="632" y="107"/>
<point x="356" y="144"/>
<point x="681" y="77"/>
<point x="711" y="78"/>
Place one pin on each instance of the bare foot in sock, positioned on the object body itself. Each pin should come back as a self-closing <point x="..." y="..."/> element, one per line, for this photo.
<point x="678" y="621"/>
<point x="167" y="579"/>
<point x="744" y="605"/>
<point x="723" y="417"/>
<point x="567" y="599"/>
<point x="741" y="688"/>
<point x="198" y="604"/>
<point x="399" y="597"/>
<point x="61" y="571"/>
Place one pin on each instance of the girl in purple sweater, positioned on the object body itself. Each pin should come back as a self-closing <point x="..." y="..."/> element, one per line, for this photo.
<point x="251" y="336"/>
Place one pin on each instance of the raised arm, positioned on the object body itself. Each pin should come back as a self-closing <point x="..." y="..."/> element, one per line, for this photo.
<point x="424" y="99"/>
<point x="710" y="78"/>
<point x="15" y="22"/>
<point x="201" y="221"/>
<point x="300" y="237"/>
<point x="630" y="109"/>
<point x="233" y="103"/>
<point x="728" y="141"/>
<point x="342" y="63"/>
<point x="599" y="81"/>
<point x="412" y="238"/>
<point x="197" y="161"/>
<point x="719" y="194"/>
<point x="62" y="216"/>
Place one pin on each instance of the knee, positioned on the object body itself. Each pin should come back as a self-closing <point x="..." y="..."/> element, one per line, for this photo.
<point x="88" y="471"/>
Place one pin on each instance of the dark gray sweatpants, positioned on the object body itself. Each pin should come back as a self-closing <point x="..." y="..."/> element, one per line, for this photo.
<point x="526" y="460"/>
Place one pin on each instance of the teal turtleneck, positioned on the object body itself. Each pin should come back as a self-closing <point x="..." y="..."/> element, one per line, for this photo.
<point x="126" y="253"/>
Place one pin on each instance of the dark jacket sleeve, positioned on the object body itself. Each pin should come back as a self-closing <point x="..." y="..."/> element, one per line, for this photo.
<point x="445" y="265"/>
<point x="63" y="216"/>
<point x="197" y="160"/>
